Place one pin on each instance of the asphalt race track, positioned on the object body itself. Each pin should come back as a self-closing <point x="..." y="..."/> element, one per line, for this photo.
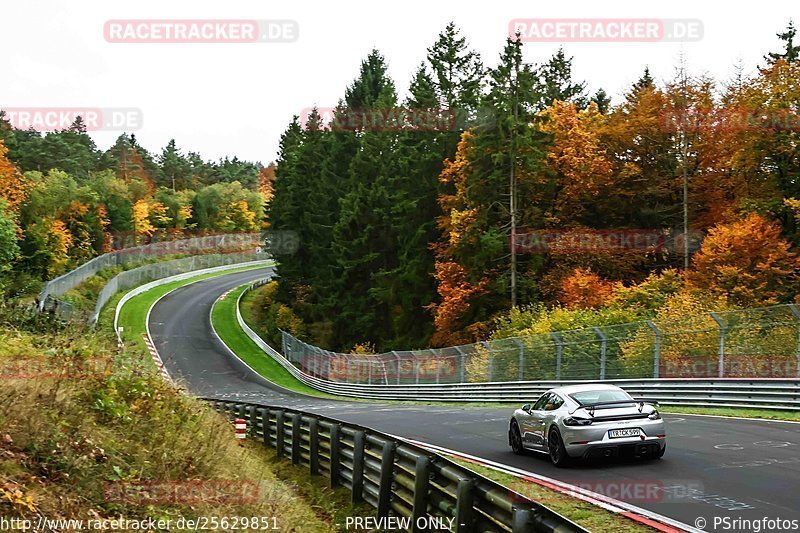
<point x="714" y="467"/>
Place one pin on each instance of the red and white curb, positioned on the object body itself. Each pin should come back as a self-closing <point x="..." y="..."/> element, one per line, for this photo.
<point x="642" y="516"/>
<point x="157" y="358"/>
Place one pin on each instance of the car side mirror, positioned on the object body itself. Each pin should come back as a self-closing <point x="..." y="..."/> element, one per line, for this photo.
<point x="526" y="408"/>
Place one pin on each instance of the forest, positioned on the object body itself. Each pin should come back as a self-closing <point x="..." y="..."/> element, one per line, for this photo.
<point x="406" y="225"/>
<point x="64" y="201"/>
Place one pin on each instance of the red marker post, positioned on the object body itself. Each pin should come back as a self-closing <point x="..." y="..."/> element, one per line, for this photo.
<point x="241" y="428"/>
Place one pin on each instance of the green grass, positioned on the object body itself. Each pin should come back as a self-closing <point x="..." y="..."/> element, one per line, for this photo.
<point x="583" y="513"/>
<point x="766" y="414"/>
<point x="223" y="319"/>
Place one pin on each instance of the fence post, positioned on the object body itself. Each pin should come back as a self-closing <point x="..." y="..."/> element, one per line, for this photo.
<point x="718" y="320"/>
<point x="313" y="446"/>
<point x="422" y="472"/>
<point x="438" y="360"/>
<point x="488" y="361"/>
<point x="796" y="314"/>
<point x="559" y="352"/>
<point x="358" y="467"/>
<point x="463" y="363"/>
<point x="387" y="473"/>
<point x="602" y="351"/>
<point x="335" y="462"/>
<point x="521" y="357"/>
<point x="369" y="379"/>
<point x="416" y="369"/>
<point x="656" y="348"/>
<point x="296" y="420"/>
<point x="464" y="505"/>
<point x="280" y="433"/>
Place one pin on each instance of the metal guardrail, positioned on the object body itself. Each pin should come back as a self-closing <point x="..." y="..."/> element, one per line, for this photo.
<point x="783" y="394"/>
<point x="136" y="276"/>
<point x="420" y="488"/>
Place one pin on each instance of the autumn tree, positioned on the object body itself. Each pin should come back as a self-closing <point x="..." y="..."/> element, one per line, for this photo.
<point x="583" y="289"/>
<point x="13" y="186"/>
<point x="748" y="262"/>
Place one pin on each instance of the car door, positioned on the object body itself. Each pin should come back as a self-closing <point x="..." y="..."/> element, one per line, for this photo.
<point x="537" y="420"/>
<point x="526" y="419"/>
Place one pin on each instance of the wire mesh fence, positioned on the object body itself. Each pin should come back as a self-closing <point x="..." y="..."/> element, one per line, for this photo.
<point x="146" y="273"/>
<point x="229" y="242"/>
<point x="749" y="343"/>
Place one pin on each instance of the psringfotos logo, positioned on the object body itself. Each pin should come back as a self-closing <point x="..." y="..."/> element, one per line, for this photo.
<point x="47" y="119"/>
<point x="606" y="30"/>
<point x="206" y="31"/>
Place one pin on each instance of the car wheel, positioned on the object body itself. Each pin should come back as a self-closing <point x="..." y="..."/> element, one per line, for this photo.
<point x="555" y="445"/>
<point x="661" y="452"/>
<point x="515" y="438"/>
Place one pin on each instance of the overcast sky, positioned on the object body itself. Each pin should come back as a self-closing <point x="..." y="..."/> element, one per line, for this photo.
<point x="236" y="99"/>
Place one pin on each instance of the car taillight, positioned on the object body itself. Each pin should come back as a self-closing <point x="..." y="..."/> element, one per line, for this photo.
<point x="572" y="421"/>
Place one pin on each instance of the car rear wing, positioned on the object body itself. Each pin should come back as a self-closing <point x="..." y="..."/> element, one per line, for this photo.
<point x="590" y="407"/>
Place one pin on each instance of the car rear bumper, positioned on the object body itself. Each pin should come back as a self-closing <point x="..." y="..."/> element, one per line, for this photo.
<point x="594" y="441"/>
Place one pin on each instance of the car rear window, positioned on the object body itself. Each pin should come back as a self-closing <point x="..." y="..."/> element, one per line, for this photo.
<point x="599" y="396"/>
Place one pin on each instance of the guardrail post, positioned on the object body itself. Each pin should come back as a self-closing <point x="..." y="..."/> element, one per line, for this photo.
<point x="464" y="498"/>
<point x="253" y="420"/>
<point x="336" y="465"/>
<point x="422" y="472"/>
<point x="718" y="320"/>
<point x="559" y="353"/>
<point x="656" y="348"/>
<point x="387" y="474"/>
<point x="521" y="358"/>
<point x="358" y="467"/>
<point x="296" y="420"/>
<point x="796" y="314"/>
<point x="313" y="446"/>
<point x="603" y="342"/>
<point x="522" y="518"/>
<point x="265" y="425"/>
<point x="280" y="433"/>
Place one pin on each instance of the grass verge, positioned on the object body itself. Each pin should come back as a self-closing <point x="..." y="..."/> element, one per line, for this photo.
<point x="89" y="432"/>
<point x="583" y="513"/>
<point x="223" y="319"/>
<point x="766" y="414"/>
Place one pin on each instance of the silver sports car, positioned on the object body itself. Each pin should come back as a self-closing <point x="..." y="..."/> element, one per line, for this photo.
<point x="587" y="421"/>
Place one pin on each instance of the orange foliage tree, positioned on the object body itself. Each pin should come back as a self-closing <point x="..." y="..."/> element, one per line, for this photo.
<point x="746" y="261"/>
<point x="13" y="186"/>
<point x="580" y="165"/>
<point x="583" y="289"/>
<point x="456" y="292"/>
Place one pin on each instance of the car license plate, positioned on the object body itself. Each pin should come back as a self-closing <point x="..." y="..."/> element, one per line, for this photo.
<point x="622" y="433"/>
